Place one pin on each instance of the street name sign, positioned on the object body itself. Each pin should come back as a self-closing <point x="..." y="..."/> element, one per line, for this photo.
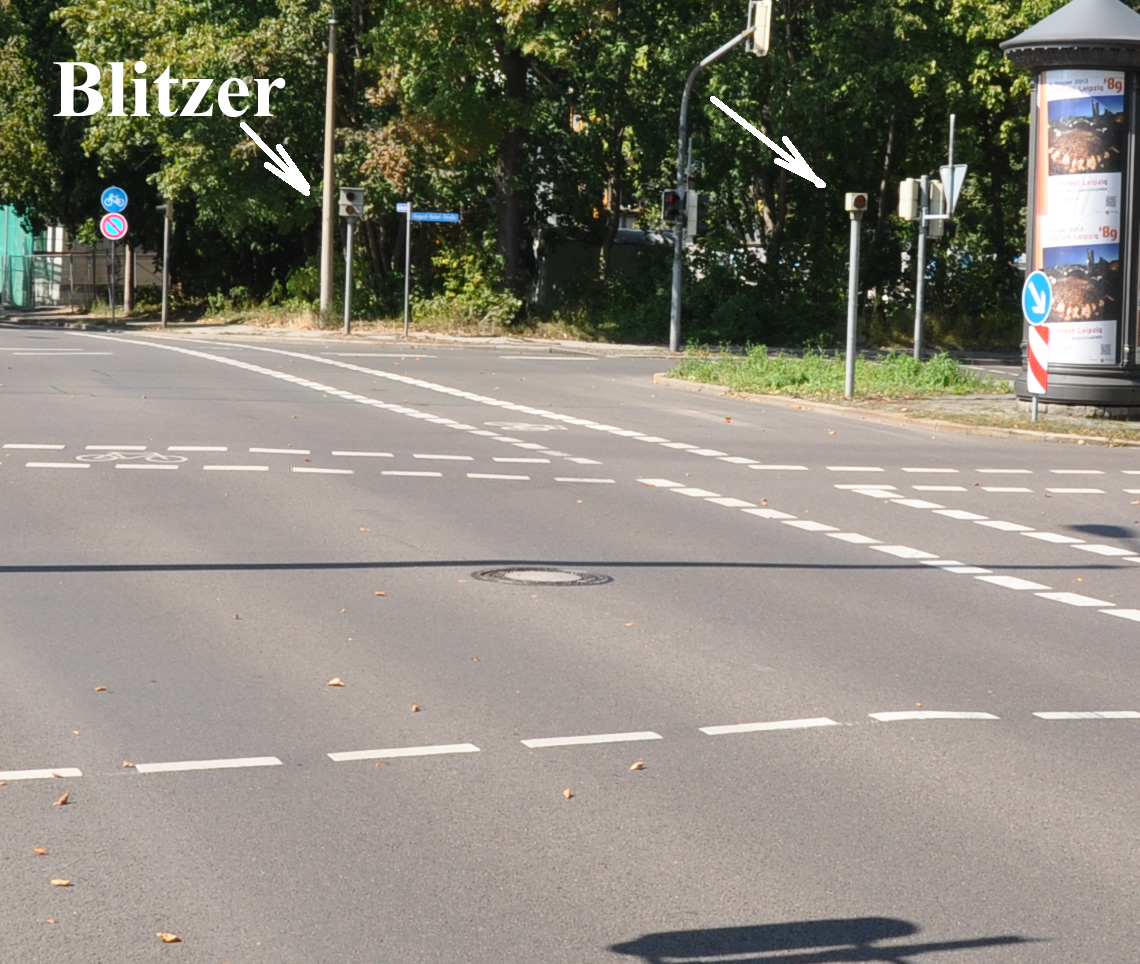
<point x="451" y="217"/>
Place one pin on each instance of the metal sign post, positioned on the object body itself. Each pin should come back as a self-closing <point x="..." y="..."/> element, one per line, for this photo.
<point x="167" y="214"/>
<point x="856" y="205"/>
<point x="348" y="278"/>
<point x="407" y="265"/>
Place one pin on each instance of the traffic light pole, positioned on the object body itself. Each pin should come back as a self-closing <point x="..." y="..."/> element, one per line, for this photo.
<point x="348" y="277"/>
<point x="920" y="257"/>
<point x="682" y="187"/>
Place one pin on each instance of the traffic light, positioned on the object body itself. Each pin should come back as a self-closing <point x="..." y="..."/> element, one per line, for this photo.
<point x="351" y="204"/>
<point x="670" y="206"/>
<point x="909" y="191"/>
<point x="696" y="213"/>
<point x="760" y="23"/>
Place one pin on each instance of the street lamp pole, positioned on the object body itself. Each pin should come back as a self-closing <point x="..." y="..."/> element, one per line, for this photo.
<point x="683" y="185"/>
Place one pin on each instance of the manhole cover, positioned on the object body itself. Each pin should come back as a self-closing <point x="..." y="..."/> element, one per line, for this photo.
<point x="542" y="576"/>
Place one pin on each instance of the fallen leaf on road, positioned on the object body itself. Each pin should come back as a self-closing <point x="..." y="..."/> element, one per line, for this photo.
<point x="474" y="659"/>
<point x="60" y="882"/>
<point x="365" y="529"/>
<point x="163" y="935"/>
<point x="831" y="431"/>
<point x="918" y="704"/>
<point x="3" y="783"/>
<point x="629" y="624"/>
<point x="378" y="763"/>
<point x="336" y="681"/>
<point x="100" y="689"/>
<point x="62" y="800"/>
<point x="40" y="851"/>
<point x="727" y="419"/>
<point x="127" y="765"/>
<point x="58" y="776"/>
<point x="379" y="593"/>
<point x="580" y="501"/>
<point x="763" y="501"/>
<point x="76" y="732"/>
<point x="567" y="793"/>
<point x="415" y="708"/>
<point x="639" y="765"/>
<point x="51" y="920"/>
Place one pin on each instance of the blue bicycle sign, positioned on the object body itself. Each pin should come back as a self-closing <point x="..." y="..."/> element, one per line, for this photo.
<point x="114" y="200"/>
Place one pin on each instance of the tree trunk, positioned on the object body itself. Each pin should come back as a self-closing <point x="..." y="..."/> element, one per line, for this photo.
<point x="613" y="204"/>
<point x="507" y="171"/>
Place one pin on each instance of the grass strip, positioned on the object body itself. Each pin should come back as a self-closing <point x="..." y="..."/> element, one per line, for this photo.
<point x="816" y="375"/>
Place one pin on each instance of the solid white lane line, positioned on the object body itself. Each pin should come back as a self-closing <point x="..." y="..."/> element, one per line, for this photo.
<point x="581" y="461"/>
<point x="264" y="451"/>
<point x="445" y="458"/>
<point x="738" y="460"/>
<point x="115" y="448"/>
<point x="404" y="751"/>
<point x="197" y="448"/>
<point x="660" y="483"/>
<point x="40" y="774"/>
<point x="960" y="568"/>
<point x="929" y="715"/>
<point x="556" y="453"/>
<point x="678" y="445"/>
<point x="364" y="455"/>
<point x="144" y="465"/>
<point x="373" y="354"/>
<point x="651" y="438"/>
<point x="57" y="465"/>
<point x="535" y="461"/>
<point x="697" y="493"/>
<point x="1004" y="488"/>
<point x="960" y="514"/>
<point x="62" y="352"/>
<point x="1006" y="471"/>
<point x="780" y="468"/>
<point x="932" y="471"/>
<point x="774" y="725"/>
<point x="856" y="486"/>
<point x="1073" y="599"/>
<point x="1002" y="525"/>
<point x="769" y="513"/>
<point x="939" y="488"/>
<point x="235" y="468"/>
<point x="1097" y="715"/>
<point x="32" y="445"/>
<point x="1011" y="582"/>
<point x="906" y="552"/>
<point x="1076" y="471"/>
<point x="854" y="538"/>
<point x="592" y="738"/>
<point x="1052" y="537"/>
<point x="418" y="475"/>
<point x="809" y="525"/>
<point x="558" y="478"/>
<point x="1077" y="491"/>
<point x="1133" y="614"/>
<point x="707" y="452"/>
<point x="1102" y="550"/>
<point x="854" y="468"/>
<point x="317" y="471"/>
<point x="234" y="764"/>
<point x="491" y="475"/>
<point x="732" y="503"/>
<point x="917" y="504"/>
<point x="551" y="357"/>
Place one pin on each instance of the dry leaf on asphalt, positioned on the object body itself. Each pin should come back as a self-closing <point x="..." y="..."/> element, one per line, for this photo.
<point x="629" y="624"/>
<point x="415" y="708"/>
<point x="727" y="419"/>
<point x="100" y="689"/>
<point x="639" y="765"/>
<point x="39" y="851"/>
<point x="3" y="783"/>
<point x="127" y="765"/>
<point x="62" y="800"/>
<point x="168" y="938"/>
<point x="51" y="920"/>
<point x="474" y="659"/>
<point x="60" y="882"/>
<point x="567" y="793"/>
<point x="831" y="431"/>
<point x="76" y="732"/>
<point x="336" y="681"/>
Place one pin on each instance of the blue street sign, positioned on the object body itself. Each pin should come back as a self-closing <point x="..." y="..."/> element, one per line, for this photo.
<point x="401" y="207"/>
<point x="1037" y="298"/>
<point x="114" y="200"/>
<point x="451" y="217"/>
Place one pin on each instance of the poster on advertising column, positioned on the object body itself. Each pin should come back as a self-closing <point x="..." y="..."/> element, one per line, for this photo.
<point x="1080" y="129"/>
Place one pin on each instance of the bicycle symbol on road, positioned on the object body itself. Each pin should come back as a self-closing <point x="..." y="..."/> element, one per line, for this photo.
<point x="129" y="456"/>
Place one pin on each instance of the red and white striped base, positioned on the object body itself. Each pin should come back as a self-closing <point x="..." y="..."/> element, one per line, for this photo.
<point x="1037" y="373"/>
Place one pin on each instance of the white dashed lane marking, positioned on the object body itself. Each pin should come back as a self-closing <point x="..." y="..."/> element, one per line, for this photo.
<point x="403" y="751"/>
<point x="33" y="445"/>
<point x="932" y="471"/>
<point x="40" y="774"/>
<point x="503" y="478"/>
<point x="144" y="465"/>
<point x="232" y="764"/>
<point x="364" y="455"/>
<point x="773" y="725"/>
<point x="1076" y="491"/>
<point x="592" y="738"/>
<point x="595" y="481"/>
<point x="1004" y="488"/>
<point x="263" y="451"/>
<point x="854" y="468"/>
<point x="1094" y="715"/>
<point x="1075" y="599"/>
<point x="445" y="458"/>
<point x="939" y="488"/>
<point x="197" y="448"/>
<point x="116" y="448"/>
<point x="899" y="715"/>
<point x="417" y="475"/>
<point x="57" y="465"/>
<point x="1011" y="582"/>
<point x="780" y="468"/>
<point x="235" y="468"/>
<point x="319" y="471"/>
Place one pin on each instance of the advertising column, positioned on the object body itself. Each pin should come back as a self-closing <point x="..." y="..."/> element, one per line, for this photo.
<point x="1076" y="241"/>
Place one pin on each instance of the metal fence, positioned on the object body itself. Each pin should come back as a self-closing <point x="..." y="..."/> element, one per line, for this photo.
<point x="71" y="279"/>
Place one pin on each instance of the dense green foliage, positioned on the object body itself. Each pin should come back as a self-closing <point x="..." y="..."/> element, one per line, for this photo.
<point x="543" y="121"/>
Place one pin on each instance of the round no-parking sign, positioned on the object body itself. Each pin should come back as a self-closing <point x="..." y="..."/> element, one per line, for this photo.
<point x="113" y="227"/>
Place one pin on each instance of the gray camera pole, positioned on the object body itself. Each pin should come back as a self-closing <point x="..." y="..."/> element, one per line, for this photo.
<point x="920" y="278"/>
<point x="682" y="187"/>
<point x="852" y="304"/>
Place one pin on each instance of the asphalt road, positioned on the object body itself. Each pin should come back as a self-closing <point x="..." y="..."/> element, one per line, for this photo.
<point x="880" y="682"/>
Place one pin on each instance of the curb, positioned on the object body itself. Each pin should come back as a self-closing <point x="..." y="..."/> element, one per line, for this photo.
<point x="892" y="418"/>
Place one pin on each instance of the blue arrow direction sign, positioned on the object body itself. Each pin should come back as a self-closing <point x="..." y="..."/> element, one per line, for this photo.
<point x="1037" y="298"/>
<point x="451" y="217"/>
<point x="114" y="200"/>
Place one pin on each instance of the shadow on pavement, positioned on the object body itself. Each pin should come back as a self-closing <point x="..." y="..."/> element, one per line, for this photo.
<point x="853" y="939"/>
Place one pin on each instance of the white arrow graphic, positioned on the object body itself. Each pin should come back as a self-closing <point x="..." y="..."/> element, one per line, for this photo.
<point x="1038" y="297"/>
<point x="282" y="166"/>
<point x="790" y="159"/>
